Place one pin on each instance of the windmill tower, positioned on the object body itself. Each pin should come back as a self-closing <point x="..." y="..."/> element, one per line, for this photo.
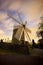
<point x="20" y="32"/>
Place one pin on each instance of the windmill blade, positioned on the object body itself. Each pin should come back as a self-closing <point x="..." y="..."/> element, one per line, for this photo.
<point x="21" y="33"/>
<point x="28" y="30"/>
<point x="19" y="17"/>
<point x="19" y="14"/>
<point x="28" y="35"/>
<point x="14" y="18"/>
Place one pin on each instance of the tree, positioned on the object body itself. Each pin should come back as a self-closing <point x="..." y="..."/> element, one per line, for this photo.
<point x="1" y="40"/>
<point x="40" y="33"/>
<point x="40" y="29"/>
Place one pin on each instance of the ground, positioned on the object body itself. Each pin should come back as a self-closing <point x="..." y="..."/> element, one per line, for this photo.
<point x="36" y="58"/>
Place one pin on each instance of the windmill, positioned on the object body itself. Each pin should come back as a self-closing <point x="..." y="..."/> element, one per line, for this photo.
<point x="20" y="32"/>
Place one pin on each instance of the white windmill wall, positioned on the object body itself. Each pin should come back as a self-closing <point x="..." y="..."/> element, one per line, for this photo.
<point x="19" y="34"/>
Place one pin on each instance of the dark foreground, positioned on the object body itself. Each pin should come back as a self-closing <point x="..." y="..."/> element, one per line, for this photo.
<point x="35" y="58"/>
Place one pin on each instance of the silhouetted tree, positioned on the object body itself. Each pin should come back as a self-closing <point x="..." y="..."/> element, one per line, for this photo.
<point x="1" y="40"/>
<point x="40" y="32"/>
<point x="33" y="42"/>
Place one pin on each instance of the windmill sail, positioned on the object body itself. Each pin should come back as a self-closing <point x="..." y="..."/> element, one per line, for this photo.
<point x="27" y="38"/>
<point x="28" y="30"/>
<point x="14" y="18"/>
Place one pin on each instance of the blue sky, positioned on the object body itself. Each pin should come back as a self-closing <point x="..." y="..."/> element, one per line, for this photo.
<point x="30" y="11"/>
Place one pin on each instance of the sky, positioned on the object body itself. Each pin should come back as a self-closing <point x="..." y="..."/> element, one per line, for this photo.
<point x="30" y="11"/>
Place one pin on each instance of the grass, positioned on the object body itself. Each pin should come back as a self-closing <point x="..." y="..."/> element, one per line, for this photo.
<point x="5" y="51"/>
<point x="17" y="51"/>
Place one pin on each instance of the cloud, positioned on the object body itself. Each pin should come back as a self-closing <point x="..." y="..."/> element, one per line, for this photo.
<point x="3" y="16"/>
<point x="4" y="36"/>
<point x="1" y="32"/>
<point x="14" y="5"/>
<point x="8" y="24"/>
<point x="31" y="8"/>
<point x="5" y="3"/>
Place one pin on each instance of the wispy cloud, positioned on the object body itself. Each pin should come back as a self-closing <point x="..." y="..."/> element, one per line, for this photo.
<point x="1" y="32"/>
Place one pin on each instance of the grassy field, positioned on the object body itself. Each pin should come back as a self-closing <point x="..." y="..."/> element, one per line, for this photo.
<point x="4" y="51"/>
<point x="8" y="51"/>
<point x="6" y="48"/>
